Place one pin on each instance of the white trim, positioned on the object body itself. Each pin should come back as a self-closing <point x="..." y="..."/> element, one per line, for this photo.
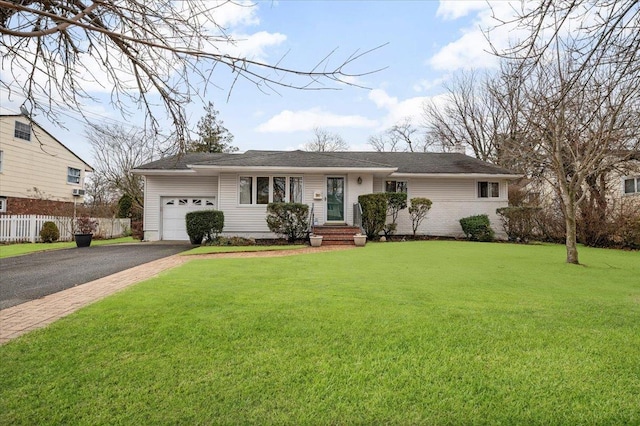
<point x="291" y="170"/>
<point x="456" y="175"/>
<point x="162" y="172"/>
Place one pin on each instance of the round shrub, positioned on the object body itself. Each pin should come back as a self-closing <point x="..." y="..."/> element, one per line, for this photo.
<point x="204" y="223"/>
<point x="49" y="232"/>
<point x="477" y="228"/>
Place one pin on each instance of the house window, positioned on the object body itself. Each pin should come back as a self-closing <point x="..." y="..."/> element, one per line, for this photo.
<point x="196" y="202"/>
<point x="22" y="131"/>
<point x="266" y="189"/>
<point x="488" y="189"/>
<point x="3" y="204"/>
<point x="262" y="186"/>
<point x="73" y="175"/>
<point x="279" y="189"/>
<point x="295" y="189"/>
<point x="632" y="185"/>
<point x="246" y="190"/>
<point x="395" y="186"/>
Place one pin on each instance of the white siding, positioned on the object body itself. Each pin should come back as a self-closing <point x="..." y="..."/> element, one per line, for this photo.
<point x="178" y="186"/>
<point x="39" y="163"/>
<point x="452" y="200"/>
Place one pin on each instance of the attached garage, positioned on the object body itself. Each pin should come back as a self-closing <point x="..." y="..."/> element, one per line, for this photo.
<point x="174" y="210"/>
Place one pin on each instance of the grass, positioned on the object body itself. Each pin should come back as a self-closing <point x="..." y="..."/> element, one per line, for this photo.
<point x="433" y="332"/>
<point x="10" y="250"/>
<point x="235" y="249"/>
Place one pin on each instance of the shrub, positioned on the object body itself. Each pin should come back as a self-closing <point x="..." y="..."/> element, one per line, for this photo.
<point x="418" y="211"/>
<point x="204" y="223"/>
<point x="49" y="232"/>
<point x="374" y="213"/>
<point x="477" y="228"/>
<point x="85" y="225"/>
<point x="396" y="201"/>
<point x="232" y="241"/>
<point x="518" y="222"/>
<point x="289" y="220"/>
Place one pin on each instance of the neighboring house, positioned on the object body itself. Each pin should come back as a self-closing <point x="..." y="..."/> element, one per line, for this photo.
<point x="38" y="174"/>
<point x="241" y="185"/>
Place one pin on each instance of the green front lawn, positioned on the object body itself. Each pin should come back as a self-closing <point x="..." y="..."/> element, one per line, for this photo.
<point x="435" y="332"/>
<point x="236" y="249"/>
<point x="9" y="250"/>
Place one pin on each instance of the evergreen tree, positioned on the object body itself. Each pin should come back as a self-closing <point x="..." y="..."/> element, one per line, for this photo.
<point x="212" y="135"/>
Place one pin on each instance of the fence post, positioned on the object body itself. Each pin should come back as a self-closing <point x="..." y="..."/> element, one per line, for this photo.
<point x="33" y="224"/>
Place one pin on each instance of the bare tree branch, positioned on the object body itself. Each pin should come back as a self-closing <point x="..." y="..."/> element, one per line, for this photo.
<point x="156" y="53"/>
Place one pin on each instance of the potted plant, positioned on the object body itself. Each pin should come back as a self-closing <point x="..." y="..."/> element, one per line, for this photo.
<point x="84" y="229"/>
<point x="360" y="240"/>
<point x="315" y="240"/>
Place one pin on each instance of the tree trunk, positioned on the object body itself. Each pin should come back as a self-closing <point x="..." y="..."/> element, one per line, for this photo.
<point x="568" y="198"/>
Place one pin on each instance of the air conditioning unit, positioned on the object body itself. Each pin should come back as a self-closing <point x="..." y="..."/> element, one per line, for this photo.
<point x="78" y="192"/>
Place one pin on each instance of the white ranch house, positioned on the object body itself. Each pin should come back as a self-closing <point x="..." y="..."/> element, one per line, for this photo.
<point x="241" y="185"/>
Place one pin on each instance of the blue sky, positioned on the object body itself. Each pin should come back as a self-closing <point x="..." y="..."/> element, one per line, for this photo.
<point x="426" y="42"/>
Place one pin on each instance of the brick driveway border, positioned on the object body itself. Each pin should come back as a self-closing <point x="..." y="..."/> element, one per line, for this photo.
<point x="20" y="319"/>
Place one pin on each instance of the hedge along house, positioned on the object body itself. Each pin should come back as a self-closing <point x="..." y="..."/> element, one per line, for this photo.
<point x="241" y="185"/>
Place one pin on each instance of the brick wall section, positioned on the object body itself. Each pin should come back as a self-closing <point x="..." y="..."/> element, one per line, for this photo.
<point x="37" y="206"/>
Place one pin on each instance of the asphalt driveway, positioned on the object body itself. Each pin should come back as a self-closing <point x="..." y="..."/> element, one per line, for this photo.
<point x="32" y="276"/>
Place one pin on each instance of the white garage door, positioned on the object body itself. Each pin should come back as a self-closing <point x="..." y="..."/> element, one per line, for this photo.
<point x="174" y="210"/>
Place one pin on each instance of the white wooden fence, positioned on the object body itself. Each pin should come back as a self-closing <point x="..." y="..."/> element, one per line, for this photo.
<point x="23" y="228"/>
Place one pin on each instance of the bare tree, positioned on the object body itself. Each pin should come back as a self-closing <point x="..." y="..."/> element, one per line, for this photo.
<point x="470" y="116"/>
<point x="325" y="141"/>
<point x="577" y="129"/>
<point x="116" y="150"/>
<point x="143" y="50"/>
<point x="402" y="136"/>
<point x="578" y="69"/>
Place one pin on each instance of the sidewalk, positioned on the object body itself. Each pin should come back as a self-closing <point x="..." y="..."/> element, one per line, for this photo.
<point x="20" y="319"/>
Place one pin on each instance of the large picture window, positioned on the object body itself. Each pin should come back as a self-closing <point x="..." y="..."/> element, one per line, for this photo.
<point x="488" y="189"/>
<point x="267" y="189"/>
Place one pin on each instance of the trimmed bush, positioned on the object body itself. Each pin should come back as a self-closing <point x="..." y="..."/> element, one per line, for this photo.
<point x="518" y="222"/>
<point x="477" y="228"/>
<point x="396" y="201"/>
<point x="204" y="223"/>
<point x="418" y="211"/>
<point x="374" y="213"/>
<point x="289" y="220"/>
<point x="49" y="232"/>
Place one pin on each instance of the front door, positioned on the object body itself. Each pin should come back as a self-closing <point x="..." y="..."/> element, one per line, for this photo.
<point x="335" y="199"/>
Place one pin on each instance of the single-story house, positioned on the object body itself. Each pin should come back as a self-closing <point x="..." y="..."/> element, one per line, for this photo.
<point x="241" y="185"/>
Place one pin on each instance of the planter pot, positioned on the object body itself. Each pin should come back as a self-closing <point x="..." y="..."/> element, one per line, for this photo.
<point x="83" y="240"/>
<point x="316" y="240"/>
<point x="360" y="240"/>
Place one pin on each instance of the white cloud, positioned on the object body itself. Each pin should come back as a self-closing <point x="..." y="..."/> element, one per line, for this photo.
<point x="397" y="110"/>
<point x="472" y="49"/>
<point x="252" y="46"/>
<point x="231" y="14"/>
<point x="296" y="121"/>
<point x="450" y="10"/>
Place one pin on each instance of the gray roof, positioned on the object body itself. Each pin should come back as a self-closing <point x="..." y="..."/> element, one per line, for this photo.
<point x="405" y="162"/>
